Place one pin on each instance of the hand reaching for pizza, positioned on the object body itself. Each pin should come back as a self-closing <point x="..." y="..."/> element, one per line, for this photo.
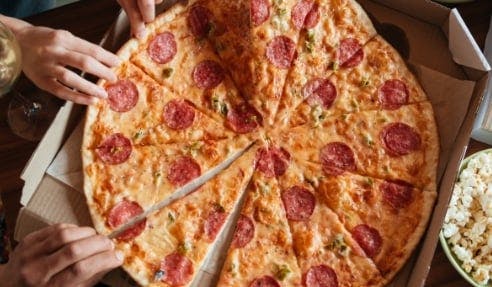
<point x="46" y="55"/>
<point x="139" y="12"/>
<point x="60" y="255"/>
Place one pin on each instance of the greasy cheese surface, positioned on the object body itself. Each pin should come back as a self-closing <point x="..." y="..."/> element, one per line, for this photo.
<point x="270" y="250"/>
<point x="319" y="239"/>
<point x="361" y="132"/>
<point x="317" y="48"/>
<point x="359" y="200"/>
<point x="357" y="88"/>
<point x="177" y="75"/>
<point x="143" y="177"/>
<point x="243" y="48"/>
<point x="144" y="123"/>
<point x="179" y="227"/>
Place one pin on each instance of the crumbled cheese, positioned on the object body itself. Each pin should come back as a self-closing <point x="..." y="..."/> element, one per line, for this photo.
<point x="468" y="222"/>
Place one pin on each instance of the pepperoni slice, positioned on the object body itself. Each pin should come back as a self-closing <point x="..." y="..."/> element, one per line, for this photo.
<point x="298" y="203"/>
<point x="162" y="48"/>
<point x="305" y="14"/>
<point x="214" y="222"/>
<point x="265" y="281"/>
<point x="273" y="161"/>
<point x="177" y="269"/>
<point x="244" y="119"/>
<point x="178" y="114"/>
<point x="280" y="52"/>
<point x="399" y="139"/>
<point x="208" y="74"/>
<point x="393" y="94"/>
<point x="321" y="276"/>
<point x="199" y="21"/>
<point x="368" y="238"/>
<point x="183" y="170"/>
<point x="122" y="96"/>
<point x="260" y="11"/>
<point x="397" y="193"/>
<point x="312" y="17"/>
<point x="319" y="92"/>
<point x="115" y="149"/>
<point x="336" y="158"/>
<point x="121" y="213"/>
<point x="245" y="231"/>
<point x="350" y="53"/>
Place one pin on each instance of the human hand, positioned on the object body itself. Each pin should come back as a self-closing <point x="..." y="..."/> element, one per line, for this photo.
<point x="47" y="52"/>
<point x="139" y="12"/>
<point x="60" y="255"/>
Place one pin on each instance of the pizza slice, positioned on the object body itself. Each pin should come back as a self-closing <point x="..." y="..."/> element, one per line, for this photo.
<point x="381" y="81"/>
<point x="326" y="252"/>
<point x="256" y="40"/>
<point x="397" y="144"/>
<point x="386" y="218"/>
<point x="171" y="244"/>
<point x="147" y="113"/>
<point x="189" y="67"/>
<point x="330" y="44"/>
<point x="117" y="171"/>
<point x="261" y="252"/>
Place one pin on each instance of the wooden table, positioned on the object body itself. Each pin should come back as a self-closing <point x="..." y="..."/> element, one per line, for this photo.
<point x="89" y="19"/>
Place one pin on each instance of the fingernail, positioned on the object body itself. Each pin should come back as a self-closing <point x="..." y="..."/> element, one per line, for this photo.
<point x="111" y="244"/>
<point x="119" y="256"/>
<point x="114" y="78"/>
<point x="140" y="33"/>
<point x="117" y="62"/>
<point x="102" y="93"/>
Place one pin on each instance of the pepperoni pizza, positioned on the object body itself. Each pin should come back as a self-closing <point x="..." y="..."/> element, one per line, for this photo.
<point x="340" y="180"/>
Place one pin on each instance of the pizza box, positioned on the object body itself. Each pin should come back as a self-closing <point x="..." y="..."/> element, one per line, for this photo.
<point x="434" y="41"/>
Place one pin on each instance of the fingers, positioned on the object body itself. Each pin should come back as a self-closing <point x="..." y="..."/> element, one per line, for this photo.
<point x="41" y="234"/>
<point x="61" y="237"/>
<point x="72" y="80"/>
<point x="87" y="64"/>
<point x="147" y="9"/>
<point x="136" y="22"/>
<point x="89" y="271"/>
<point x="158" y="1"/>
<point x="52" y="86"/>
<point x="77" y="44"/>
<point x="76" y="251"/>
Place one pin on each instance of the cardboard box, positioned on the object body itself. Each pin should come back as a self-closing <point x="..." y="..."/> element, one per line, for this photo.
<point x="440" y="50"/>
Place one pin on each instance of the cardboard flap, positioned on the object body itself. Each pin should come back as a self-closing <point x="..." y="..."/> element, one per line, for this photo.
<point x="424" y="10"/>
<point x="463" y="46"/>
<point x="45" y="151"/>
<point x="67" y="165"/>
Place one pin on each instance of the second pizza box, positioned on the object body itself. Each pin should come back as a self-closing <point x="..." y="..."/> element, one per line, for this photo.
<point x="432" y="39"/>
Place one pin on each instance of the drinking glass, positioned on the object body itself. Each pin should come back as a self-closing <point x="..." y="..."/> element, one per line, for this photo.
<point x="29" y="114"/>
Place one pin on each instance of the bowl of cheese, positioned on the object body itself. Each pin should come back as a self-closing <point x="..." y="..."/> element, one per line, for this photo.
<point x="466" y="235"/>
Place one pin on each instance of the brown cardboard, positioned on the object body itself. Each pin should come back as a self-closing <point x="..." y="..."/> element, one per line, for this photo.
<point x="56" y="196"/>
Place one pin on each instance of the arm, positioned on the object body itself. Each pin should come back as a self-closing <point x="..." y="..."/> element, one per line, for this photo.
<point x="139" y="12"/>
<point x="60" y="255"/>
<point x="47" y="52"/>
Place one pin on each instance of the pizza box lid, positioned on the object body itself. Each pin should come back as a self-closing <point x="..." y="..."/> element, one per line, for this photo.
<point x="448" y="56"/>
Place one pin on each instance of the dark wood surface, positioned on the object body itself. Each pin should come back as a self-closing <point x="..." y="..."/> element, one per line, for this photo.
<point x="89" y="19"/>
